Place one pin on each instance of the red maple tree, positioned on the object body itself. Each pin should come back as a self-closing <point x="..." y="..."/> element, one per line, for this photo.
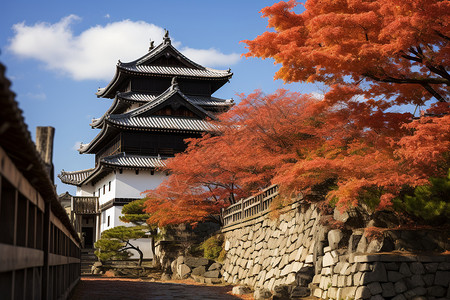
<point x="387" y="53"/>
<point x="382" y="49"/>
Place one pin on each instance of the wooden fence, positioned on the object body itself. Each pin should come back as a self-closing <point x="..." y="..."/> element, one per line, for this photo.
<point x="39" y="248"/>
<point x="250" y="207"/>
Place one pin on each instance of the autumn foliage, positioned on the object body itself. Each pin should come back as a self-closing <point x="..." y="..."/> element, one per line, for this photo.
<point x="352" y="145"/>
<point x="395" y="51"/>
<point x="293" y="140"/>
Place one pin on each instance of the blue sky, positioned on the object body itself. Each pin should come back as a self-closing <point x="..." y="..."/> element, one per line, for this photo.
<point x="58" y="53"/>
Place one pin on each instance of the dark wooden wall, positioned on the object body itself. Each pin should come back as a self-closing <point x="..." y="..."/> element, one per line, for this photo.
<point x="39" y="256"/>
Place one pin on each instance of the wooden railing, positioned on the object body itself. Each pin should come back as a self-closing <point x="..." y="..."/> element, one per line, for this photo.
<point x="249" y="207"/>
<point x="85" y="205"/>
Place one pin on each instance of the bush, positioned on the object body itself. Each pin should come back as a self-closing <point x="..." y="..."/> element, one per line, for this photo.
<point x="429" y="202"/>
<point x="212" y="247"/>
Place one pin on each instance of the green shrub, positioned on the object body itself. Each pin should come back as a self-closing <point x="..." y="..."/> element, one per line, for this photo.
<point x="429" y="202"/>
<point x="212" y="247"/>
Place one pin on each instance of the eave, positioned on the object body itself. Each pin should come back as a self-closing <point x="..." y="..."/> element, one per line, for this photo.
<point x="142" y="67"/>
<point x="108" y="164"/>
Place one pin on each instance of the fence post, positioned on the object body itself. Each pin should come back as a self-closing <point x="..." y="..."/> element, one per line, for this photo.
<point x="261" y="203"/>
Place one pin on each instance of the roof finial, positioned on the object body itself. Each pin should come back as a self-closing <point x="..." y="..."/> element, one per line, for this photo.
<point x="166" y="38"/>
<point x="152" y="45"/>
<point x="174" y="83"/>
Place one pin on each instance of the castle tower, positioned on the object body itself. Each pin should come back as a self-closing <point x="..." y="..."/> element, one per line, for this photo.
<point x="159" y="100"/>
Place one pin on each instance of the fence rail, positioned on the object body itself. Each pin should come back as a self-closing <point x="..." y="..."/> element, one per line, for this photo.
<point x="249" y="207"/>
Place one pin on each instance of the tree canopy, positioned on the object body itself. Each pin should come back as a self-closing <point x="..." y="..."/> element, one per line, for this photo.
<point x="382" y="49"/>
<point x="292" y="140"/>
<point x="373" y="55"/>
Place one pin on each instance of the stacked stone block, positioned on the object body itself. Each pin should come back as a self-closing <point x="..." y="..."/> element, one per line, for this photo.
<point x="296" y="255"/>
<point x="382" y="276"/>
<point x="201" y="269"/>
<point x="269" y="253"/>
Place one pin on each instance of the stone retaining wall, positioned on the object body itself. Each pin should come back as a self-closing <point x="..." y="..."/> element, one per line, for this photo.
<point x="264" y="253"/>
<point x="296" y="256"/>
<point x="382" y="276"/>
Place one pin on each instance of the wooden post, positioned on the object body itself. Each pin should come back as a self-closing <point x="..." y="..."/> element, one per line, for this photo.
<point x="15" y="216"/>
<point x="44" y="145"/>
<point x="261" y="203"/>
<point x="46" y="249"/>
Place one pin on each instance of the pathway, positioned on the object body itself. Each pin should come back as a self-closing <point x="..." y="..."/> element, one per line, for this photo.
<point x="99" y="288"/>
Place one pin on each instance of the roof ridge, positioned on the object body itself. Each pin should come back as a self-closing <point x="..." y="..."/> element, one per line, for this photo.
<point x="75" y="172"/>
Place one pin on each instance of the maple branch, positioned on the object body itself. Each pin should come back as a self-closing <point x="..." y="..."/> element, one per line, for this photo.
<point x="409" y="80"/>
<point x="424" y="82"/>
<point x="433" y="92"/>
<point x="440" y="70"/>
<point x="442" y="35"/>
<point x="214" y="196"/>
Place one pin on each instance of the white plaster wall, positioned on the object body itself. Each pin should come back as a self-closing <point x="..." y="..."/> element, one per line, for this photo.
<point x="109" y="194"/>
<point x="144" y="245"/>
<point x="114" y="213"/>
<point x="104" y="219"/>
<point x="125" y="185"/>
<point x="130" y="185"/>
<point x="85" y="190"/>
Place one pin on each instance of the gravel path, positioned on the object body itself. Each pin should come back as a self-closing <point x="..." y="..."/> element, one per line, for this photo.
<point x="97" y="288"/>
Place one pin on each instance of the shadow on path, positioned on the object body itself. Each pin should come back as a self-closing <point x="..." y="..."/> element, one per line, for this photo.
<point x="124" y="288"/>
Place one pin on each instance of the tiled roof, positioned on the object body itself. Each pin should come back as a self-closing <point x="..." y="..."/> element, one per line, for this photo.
<point x="138" y="97"/>
<point x="199" y="100"/>
<point x="134" y="161"/>
<point x="167" y="94"/>
<point x="210" y="101"/>
<point x="75" y="177"/>
<point x="176" y="71"/>
<point x="145" y="66"/>
<point x="121" y="160"/>
<point x="162" y="122"/>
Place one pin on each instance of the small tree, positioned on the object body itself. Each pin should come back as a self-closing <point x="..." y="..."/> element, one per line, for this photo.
<point x="133" y="212"/>
<point x="115" y="242"/>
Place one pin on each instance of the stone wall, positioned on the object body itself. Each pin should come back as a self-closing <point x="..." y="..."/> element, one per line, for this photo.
<point x="297" y="255"/>
<point x="382" y="276"/>
<point x="265" y="253"/>
<point x="178" y="239"/>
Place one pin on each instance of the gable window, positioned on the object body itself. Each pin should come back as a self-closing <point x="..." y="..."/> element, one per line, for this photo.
<point x="108" y="220"/>
<point x="109" y="186"/>
<point x="104" y="189"/>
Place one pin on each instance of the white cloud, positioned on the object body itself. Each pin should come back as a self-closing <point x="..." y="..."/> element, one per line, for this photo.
<point x="94" y="52"/>
<point x="210" y="57"/>
<point x="107" y="16"/>
<point x="76" y="146"/>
